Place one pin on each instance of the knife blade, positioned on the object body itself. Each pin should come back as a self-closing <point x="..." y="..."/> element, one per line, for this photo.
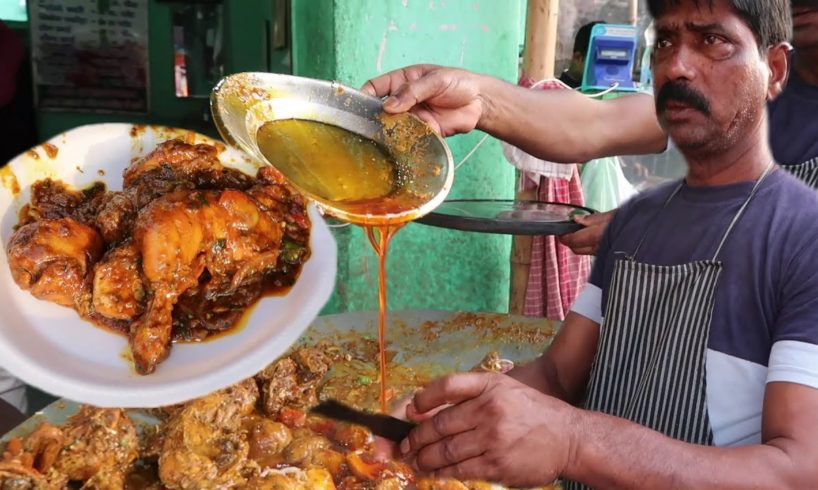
<point x="390" y="428"/>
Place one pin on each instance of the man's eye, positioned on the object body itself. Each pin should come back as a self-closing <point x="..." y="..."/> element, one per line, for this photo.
<point x="712" y="39"/>
<point x="662" y="43"/>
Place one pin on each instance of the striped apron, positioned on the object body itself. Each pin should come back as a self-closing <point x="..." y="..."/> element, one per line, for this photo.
<point x="650" y="361"/>
<point x="806" y="172"/>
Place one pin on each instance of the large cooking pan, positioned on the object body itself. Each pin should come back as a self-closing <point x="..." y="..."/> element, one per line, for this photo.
<point x="435" y="341"/>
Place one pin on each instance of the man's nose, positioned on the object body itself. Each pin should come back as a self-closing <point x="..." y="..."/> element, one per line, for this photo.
<point x="680" y="65"/>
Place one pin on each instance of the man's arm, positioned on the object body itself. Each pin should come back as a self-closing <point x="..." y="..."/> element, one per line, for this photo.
<point x="500" y="430"/>
<point x="566" y="126"/>
<point x="614" y="453"/>
<point x="558" y="125"/>
<point x="562" y="370"/>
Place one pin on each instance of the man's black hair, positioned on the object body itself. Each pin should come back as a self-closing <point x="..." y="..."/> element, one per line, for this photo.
<point x="770" y="20"/>
<point x="583" y="38"/>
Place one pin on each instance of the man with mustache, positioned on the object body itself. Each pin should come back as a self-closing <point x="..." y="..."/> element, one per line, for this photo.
<point x="793" y="122"/>
<point x="691" y="359"/>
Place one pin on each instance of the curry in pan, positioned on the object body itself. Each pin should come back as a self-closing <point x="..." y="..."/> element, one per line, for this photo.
<point x="257" y="434"/>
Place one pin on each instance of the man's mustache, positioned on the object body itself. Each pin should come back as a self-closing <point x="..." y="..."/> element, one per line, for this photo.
<point x="681" y="92"/>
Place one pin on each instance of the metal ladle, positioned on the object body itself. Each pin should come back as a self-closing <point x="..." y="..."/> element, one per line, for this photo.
<point x="243" y="103"/>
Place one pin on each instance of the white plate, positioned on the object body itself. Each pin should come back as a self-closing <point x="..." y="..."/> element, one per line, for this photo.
<point x="50" y="347"/>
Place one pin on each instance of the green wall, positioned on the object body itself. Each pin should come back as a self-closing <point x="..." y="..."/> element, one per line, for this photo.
<point x="12" y="11"/>
<point x="428" y="267"/>
<point x="313" y="38"/>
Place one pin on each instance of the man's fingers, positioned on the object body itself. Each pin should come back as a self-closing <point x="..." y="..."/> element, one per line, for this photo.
<point x="451" y="390"/>
<point x="471" y="469"/>
<point x="385" y="449"/>
<point x="587" y="250"/>
<point x="414" y="92"/>
<point x="583" y="242"/>
<point x="586" y="240"/>
<point x="600" y="219"/>
<point x="404" y="99"/>
<point x="390" y="82"/>
<point x="385" y="84"/>
<point x="370" y="88"/>
<point x="404" y="410"/>
<point x="448" y="422"/>
<point x="450" y="451"/>
<point x="427" y="116"/>
<point x="411" y="413"/>
<point x="584" y="251"/>
<point x="576" y="239"/>
<point x="397" y="409"/>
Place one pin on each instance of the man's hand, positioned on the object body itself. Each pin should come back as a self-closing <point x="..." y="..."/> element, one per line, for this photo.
<point x="586" y="240"/>
<point x="497" y="429"/>
<point x="448" y="99"/>
<point x="386" y="449"/>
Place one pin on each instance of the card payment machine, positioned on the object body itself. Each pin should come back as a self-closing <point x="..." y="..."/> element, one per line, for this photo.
<point x="610" y="56"/>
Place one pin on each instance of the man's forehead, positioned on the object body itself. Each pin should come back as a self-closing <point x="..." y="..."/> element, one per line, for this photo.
<point x="697" y="15"/>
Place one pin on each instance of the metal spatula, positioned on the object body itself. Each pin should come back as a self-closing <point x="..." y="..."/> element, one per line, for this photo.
<point x="381" y="425"/>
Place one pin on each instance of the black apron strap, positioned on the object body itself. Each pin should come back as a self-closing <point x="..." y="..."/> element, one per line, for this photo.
<point x="806" y="172"/>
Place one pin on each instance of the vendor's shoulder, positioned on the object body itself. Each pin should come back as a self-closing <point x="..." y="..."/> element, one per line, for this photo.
<point x="790" y="207"/>
<point x="793" y="195"/>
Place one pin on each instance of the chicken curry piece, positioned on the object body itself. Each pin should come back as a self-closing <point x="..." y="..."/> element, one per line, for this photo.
<point x="95" y="449"/>
<point x="179" y="254"/>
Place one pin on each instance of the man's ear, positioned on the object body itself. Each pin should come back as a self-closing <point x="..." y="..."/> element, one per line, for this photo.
<point x="778" y="64"/>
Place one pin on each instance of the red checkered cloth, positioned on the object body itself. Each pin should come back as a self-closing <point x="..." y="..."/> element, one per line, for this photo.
<point x="556" y="275"/>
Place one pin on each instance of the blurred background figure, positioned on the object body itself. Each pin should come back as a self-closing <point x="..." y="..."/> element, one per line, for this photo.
<point x="572" y="76"/>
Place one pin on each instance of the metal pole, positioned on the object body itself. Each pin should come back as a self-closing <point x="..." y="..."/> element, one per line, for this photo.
<point x="634" y="11"/>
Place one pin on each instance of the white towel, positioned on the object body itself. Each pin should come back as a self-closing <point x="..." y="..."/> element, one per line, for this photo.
<point x="533" y="165"/>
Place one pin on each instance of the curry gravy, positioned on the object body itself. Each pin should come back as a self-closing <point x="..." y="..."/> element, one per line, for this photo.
<point x="350" y="172"/>
<point x="355" y="175"/>
<point x="329" y="162"/>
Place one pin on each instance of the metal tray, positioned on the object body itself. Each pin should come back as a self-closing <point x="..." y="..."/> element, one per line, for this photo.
<point x="505" y="216"/>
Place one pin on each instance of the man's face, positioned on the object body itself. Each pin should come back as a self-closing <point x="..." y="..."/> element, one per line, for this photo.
<point x="805" y="24"/>
<point x="709" y="79"/>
